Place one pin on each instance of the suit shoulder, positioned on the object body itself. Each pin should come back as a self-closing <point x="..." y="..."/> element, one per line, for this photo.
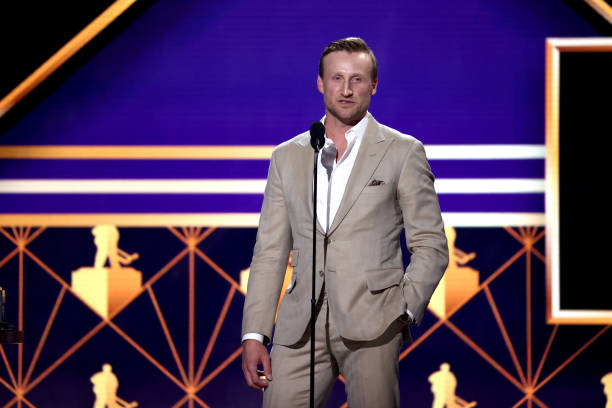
<point x="298" y="142"/>
<point x="401" y="140"/>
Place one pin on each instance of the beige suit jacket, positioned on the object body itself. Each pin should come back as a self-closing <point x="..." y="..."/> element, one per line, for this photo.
<point x="390" y="188"/>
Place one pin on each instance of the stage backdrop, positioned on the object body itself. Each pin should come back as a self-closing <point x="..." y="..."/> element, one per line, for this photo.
<point x="129" y="200"/>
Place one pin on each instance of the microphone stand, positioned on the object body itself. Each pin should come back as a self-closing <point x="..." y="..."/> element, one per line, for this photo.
<point x="317" y="140"/>
<point x="313" y="300"/>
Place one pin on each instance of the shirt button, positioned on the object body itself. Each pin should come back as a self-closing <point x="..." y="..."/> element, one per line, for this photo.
<point x="321" y="273"/>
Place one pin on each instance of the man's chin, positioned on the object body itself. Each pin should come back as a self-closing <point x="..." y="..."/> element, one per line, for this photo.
<point x="348" y="118"/>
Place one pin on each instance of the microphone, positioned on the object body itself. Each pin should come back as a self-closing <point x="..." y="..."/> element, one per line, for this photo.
<point x="317" y="135"/>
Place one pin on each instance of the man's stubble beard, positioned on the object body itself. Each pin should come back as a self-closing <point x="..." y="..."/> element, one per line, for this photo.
<point x="350" y="121"/>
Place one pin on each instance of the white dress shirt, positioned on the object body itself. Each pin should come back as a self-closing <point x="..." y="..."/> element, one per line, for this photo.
<point x="340" y="173"/>
<point x="337" y="183"/>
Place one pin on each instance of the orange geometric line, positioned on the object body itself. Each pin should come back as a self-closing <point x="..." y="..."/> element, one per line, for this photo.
<point x="538" y="254"/>
<point x="191" y="344"/>
<point x="20" y="321"/>
<point x="504" y="332"/>
<point x="46" y="268"/>
<point x="516" y="236"/>
<point x="545" y="354"/>
<point x="43" y="338"/>
<point x="165" y="269"/>
<point x="199" y="401"/>
<point x="539" y="236"/>
<point x="67" y="287"/>
<point x="181" y="401"/>
<point x="148" y="284"/>
<point x="7" y="385"/>
<point x="10" y="403"/>
<point x="76" y="295"/>
<point x="9" y="257"/>
<point x="570" y="359"/>
<point x="202" y="237"/>
<point x="35" y="235"/>
<point x="28" y="403"/>
<point x="178" y="235"/>
<point x="484" y="284"/>
<point x="8" y="368"/>
<point x="539" y="401"/>
<point x="502" y="268"/>
<point x="216" y="267"/>
<point x="142" y="351"/>
<point x="27" y="232"/>
<point x="532" y="231"/>
<point x="6" y="234"/>
<point x="64" y="356"/>
<point x="213" y="337"/>
<point x="520" y="402"/>
<point x="528" y="322"/>
<point x="217" y="370"/>
<point x="484" y="355"/>
<point x="15" y="233"/>
<point x="162" y="321"/>
<point x="421" y="338"/>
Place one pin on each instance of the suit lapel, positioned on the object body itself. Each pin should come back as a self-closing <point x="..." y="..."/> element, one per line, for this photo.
<point x="371" y="152"/>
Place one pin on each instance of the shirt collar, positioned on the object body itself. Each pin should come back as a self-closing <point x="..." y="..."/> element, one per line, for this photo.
<point x="354" y="133"/>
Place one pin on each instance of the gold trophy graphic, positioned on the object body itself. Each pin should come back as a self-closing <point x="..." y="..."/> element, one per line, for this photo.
<point x="105" y="385"/>
<point x="443" y="385"/>
<point x="458" y="283"/>
<point x="107" y="288"/>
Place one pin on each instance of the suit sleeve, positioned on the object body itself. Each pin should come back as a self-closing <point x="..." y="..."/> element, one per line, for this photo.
<point x="270" y="258"/>
<point x="424" y="230"/>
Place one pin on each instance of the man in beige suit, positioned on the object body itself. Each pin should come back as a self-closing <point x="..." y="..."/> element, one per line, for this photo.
<point x="379" y="183"/>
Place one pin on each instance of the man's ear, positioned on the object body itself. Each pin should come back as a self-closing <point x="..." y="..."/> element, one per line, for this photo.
<point x="320" y="84"/>
<point x="374" y="86"/>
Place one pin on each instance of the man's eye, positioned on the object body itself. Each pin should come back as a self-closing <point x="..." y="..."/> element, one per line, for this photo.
<point x="357" y="79"/>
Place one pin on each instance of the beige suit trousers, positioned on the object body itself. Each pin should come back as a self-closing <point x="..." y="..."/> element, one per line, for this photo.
<point x="370" y="369"/>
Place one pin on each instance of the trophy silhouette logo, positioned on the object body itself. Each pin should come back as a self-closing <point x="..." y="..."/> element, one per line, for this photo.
<point x="443" y="385"/>
<point x="107" y="288"/>
<point x="105" y="385"/>
<point x="459" y="282"/>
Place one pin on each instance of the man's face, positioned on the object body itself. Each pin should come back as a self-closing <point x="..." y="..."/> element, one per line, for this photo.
<point x="347" y="85"/>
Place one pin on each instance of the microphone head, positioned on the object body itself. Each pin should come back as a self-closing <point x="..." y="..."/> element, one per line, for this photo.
<point x="317" y="135"/>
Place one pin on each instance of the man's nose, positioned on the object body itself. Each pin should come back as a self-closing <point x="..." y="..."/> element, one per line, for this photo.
<point x="346" y="89"/>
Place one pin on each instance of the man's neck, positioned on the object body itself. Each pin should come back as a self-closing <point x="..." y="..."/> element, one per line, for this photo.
<point x="336" y="130"/>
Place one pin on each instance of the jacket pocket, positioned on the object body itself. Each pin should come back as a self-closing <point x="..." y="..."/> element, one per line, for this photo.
<point x="381" y="279"/>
